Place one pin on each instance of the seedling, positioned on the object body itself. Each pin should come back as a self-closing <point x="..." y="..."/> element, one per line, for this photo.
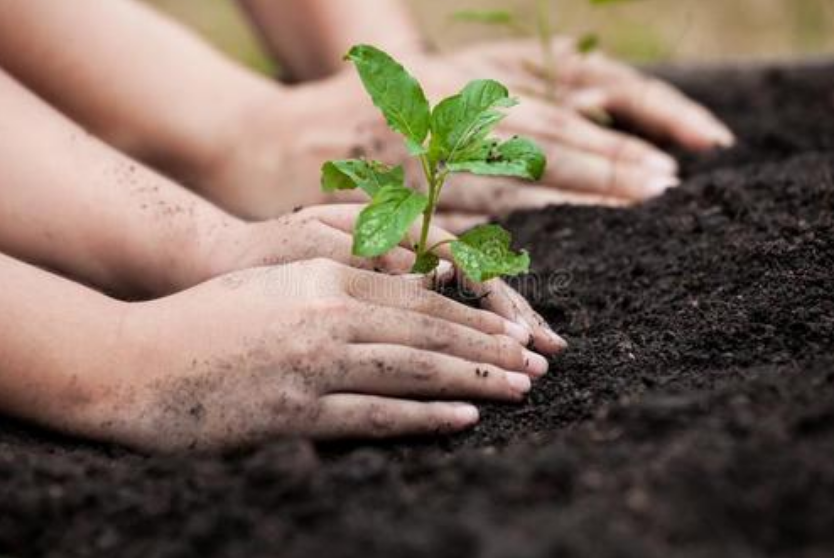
<point x="544" y="31"/>
<point x="453" y="137"/>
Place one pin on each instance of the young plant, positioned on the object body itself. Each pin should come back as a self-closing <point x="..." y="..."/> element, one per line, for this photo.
<point x="544" y="31"/>
<point x="453" y="137"/>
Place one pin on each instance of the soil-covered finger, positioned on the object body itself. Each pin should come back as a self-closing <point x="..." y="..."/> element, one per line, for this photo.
<point x="386" y="325"/>
<point x="415" y="296"/>
<point x="397" y="371"/>
<point x="343" y="416"/>
<point x="502" y="299"/>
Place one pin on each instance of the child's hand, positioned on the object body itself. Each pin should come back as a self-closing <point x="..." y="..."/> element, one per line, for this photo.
<point x="276" y="154"/>
<point x="586" y="84"/>
<point x="314" y="349"/>
<point x="325" y="232"/>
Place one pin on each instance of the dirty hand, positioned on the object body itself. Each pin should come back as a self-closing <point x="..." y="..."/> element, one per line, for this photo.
<point x="312" y="349"/>
<point x="326" y="232"/>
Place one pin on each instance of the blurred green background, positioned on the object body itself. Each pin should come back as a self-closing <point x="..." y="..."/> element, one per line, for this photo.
<point x="637" y="30"/>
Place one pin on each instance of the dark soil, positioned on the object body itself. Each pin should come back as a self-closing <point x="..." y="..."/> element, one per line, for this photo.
<point x="693" y="415"/>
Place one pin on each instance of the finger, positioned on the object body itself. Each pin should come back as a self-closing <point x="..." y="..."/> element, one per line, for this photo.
<point x="554" y="124"/>
<point x="363" y="416"/>
<point x="340" y="216"/>
<point x="459" y="223"/>
<point x="336" y="235"/>
<point x="648" y="102"/>
<point x="502" y="299"/>
<point x="664" y="111"/>
<point x="338" y="246"/>
<point x="343" y="217"/>
<point x="394" y="326"/>
<point x="396" y="371"/>
<point x="589" y="173"/>
<point x="414" y="296"/>
<point x="500" y="196"/>
<point x="498" y="297"/>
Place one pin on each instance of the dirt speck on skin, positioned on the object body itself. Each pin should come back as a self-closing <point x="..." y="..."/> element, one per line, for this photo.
<point x="692" y="416"/>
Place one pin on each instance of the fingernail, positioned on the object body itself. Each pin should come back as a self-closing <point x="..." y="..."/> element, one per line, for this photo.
<point x="725" y="138"/>
<point x="535" y="364"/>
<point x="519" y="382"/>
<point x="518" y="332"/>
<point x="557" y="339"/>
<point x="467" y="414"/>
<point x="661" y="162"/>
<point x="659" y="184"/>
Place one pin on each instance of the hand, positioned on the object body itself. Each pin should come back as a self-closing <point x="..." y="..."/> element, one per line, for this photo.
<point x="325" y="232"/>
<point x="308" y="349"/>
<point x="587" y="163"/>
<point x="283" y="141"/>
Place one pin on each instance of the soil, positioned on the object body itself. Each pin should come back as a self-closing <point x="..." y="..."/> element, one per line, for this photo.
<point x="693" y="415"/>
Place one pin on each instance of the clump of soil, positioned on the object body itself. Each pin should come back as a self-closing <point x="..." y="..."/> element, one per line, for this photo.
<point x="693" y="415"/>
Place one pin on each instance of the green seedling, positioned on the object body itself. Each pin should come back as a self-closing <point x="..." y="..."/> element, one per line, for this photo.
<point x="544" y="30"/>
<point x="452" y="137"/>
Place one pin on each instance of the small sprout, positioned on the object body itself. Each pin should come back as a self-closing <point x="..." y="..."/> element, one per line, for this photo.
<point x="544" y="31"/>
<point x="452" y="137"/>
<point x="487" y="17"/>
<point x="608" y="2"/>
<point x="587" y="43"/>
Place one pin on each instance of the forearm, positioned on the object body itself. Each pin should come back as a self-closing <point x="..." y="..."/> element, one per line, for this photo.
<point x="58" y="345"/>
<point x="134" y="77"/>
<point x="73" y="204"/>
<point x="310" y="37"/>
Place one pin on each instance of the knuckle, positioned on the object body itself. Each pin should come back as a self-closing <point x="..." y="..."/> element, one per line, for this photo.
<point x="486" y="320"/>
<point x="423" y="369"/>
<point x="333" y="307"/>
<point x="426" y="301"/>
<point x="380" y="421"/>
<point x="508" y="350"/>
<point x="437" y="417"/>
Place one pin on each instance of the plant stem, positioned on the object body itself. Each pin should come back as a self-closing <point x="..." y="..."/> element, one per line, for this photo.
<point x="431" y="178"/>
<point x="545" y="35"/>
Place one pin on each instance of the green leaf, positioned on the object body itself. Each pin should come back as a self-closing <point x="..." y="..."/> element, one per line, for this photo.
<point x="488" y="17"/>
<point x="587" y="43"/>
<point x="370" y="176"/>
<point x="518" y="157"/>
<point x="426" y="263"/>
<point x="462" y="122"/>
<point x="484" y="253"/>
<point x="386" y="220"/>
<point x="395" y="92"/>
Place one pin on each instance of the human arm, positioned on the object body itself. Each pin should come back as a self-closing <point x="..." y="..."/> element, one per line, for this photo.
<point x="309" y="38"/>
<point x="249" y="357"/>
<point x="137" y="79"/>
<point x="73" y="204"/>
<point x="256" y="148"/>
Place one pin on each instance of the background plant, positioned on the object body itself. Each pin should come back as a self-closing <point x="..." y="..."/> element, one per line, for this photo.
<point x="544" y="30"/>
<point x="452" y="137"/>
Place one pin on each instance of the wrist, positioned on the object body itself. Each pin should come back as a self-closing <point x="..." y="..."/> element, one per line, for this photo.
<point x="206" y="250"/>
<point x="248" y="154"/>
<point x="129" y="357"/>
<point x="74" y="387"/>
<point x="219" y="132"/>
